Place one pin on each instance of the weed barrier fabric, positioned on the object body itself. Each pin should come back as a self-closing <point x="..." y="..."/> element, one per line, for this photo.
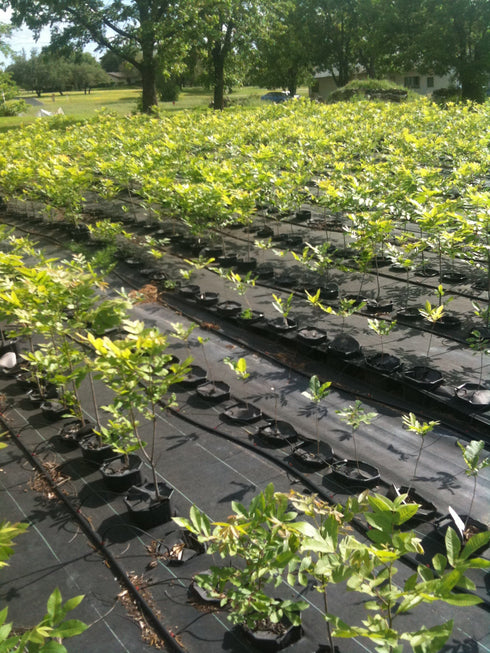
<point x="207" y="464"/>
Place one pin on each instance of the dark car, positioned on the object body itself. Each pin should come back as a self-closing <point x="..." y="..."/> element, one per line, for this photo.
<point x="276" y="96"/>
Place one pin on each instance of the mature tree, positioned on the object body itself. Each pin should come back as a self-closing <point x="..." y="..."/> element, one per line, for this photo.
<point x="87" y="73"/>
<point x="333" y="26"/>
<point x="152" y="29"/>
<point x="456" y="38"/>
<point x="283" y="56"/>
<point x="227" y="31"/>
<point x="42" y="73"/>
<point x="5" y="32"/>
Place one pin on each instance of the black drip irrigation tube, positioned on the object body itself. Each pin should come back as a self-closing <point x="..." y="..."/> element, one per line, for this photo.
<point x="99" y="546"/>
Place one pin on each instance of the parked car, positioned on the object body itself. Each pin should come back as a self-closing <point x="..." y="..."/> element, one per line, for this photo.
<point x="276" y="96"/>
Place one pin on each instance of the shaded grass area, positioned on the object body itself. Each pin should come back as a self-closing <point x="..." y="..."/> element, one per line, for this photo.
<point x="80" y="106"/>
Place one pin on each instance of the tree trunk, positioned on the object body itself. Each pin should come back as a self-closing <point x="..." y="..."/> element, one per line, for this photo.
<point x="472" y="84"/>
<point x="219" y="78"/>
<point x="149" y="96"/>
<point x="292" y="82"/>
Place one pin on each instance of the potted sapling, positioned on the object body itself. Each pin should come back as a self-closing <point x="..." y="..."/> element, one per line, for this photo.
<point x="465" y="525"/>
<point x="385" y="363"/>
<point x="211" y="390"/>
<point x="328" y="554"/>
<point x="313" y="336"/>
<point x="140" y="372"/>
<point x="276" y="431"/>
<point x="344" y="345"/>
<point x="241" y="412"/>
<point x="356" y="472"/>
<point x="476" y="395"/>
<point x="282" y="324"/>
<point x="196" y="374"/>
<point x="427" y="509"/>
<point x="242" y="284"/>
<point x="260" y="541"/>
<point x="323" y="453"/>
<point x="389" y="599"/>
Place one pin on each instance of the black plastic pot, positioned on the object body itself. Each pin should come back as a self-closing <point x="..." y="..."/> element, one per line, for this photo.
<point x="74" y="431"/>
<point x="227" y="260"/>
<point x="302" y="215"/>
<point x="228" y="308"/>
<point x="345" y="346"/>
<point x="119" y="475"/>
<point x="243" y="413"/>
<point x="213" y="391"/>
<point x="154" y="274"/>
<point x="378" y="306"/>
<point x="195" y="376"/>
<point x="93" y="452"/>
<point x="252" y="318"/>
<point x="145" y="509"/>
<point x="9" y="345"/>
<point x="264" y="232"/>
<point x="198" y="593"/>
<point x="409" y="314"/>
<point x="312" y="336"/>
<point x="280" y="325"/>
<point x="277" y="432"/>
<point x="245" y="265"/>
<point x="265" y="271"/>
<point x="447" y="321"/>
<point x="208" y="298"/>
<point x="427" y="509"/>
<point x="180" y="548"/>
<point x="471" y="527"/>
<point x="473" y="394"/>
<point x="452" y="277"/>
<point x="190" y="291"/>
<point x="270" y="641"/>
<point x="426" y="271"/>
<point x="37" y="398"/>
<point x="424" y="377"/>
<point x="350" y="472"/>
<point x="384" y="363"/>
<point x="308" y="455"/>
<point x="53" y="410"/>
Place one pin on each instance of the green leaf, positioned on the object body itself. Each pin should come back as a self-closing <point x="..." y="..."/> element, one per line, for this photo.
<point x="53" y="605"/>
<point x="430" y="640"/>
<point x="69" y="628"/>
<point x="474" y="543"/>
<point x="453" y="546"/>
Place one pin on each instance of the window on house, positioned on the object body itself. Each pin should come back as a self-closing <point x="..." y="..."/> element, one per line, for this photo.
<point x="430" y="82"/>
<point x="412" y="82"/>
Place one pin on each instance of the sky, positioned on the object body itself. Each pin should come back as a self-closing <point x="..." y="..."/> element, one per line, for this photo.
<point x="22" y="39"/>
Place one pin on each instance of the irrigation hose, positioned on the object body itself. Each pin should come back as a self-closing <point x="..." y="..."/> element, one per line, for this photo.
<point x="99" y="546"/>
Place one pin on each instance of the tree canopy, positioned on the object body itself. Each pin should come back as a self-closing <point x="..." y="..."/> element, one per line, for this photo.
<point x="279" y="41"/>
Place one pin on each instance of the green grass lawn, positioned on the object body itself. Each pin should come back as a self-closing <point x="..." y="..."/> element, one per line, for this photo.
<point x="79" y="106"/>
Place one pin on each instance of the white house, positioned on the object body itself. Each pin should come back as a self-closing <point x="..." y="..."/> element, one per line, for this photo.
<point x="422" y="84"/>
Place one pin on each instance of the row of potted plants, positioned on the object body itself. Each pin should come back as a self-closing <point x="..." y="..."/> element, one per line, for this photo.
<point x="282" y="540"/>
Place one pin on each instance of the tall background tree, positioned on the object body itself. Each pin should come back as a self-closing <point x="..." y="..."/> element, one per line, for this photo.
<point x="283" y="52"/>
<point x="148" y="34"/>
<point x="226" y="30"/>
<point x="456" y="38"/>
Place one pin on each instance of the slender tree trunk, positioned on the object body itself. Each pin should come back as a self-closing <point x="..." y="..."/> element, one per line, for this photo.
<point x="149" y="96"/>
<point x="219" y="79"/>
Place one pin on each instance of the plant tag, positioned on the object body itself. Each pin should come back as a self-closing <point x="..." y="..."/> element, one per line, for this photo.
<point x="457" y="520"/>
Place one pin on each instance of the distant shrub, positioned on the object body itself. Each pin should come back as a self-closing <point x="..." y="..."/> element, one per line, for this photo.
<point x="372" y="89"/>
<point x="443" y="96"/>
<point x="12" y="107"/>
